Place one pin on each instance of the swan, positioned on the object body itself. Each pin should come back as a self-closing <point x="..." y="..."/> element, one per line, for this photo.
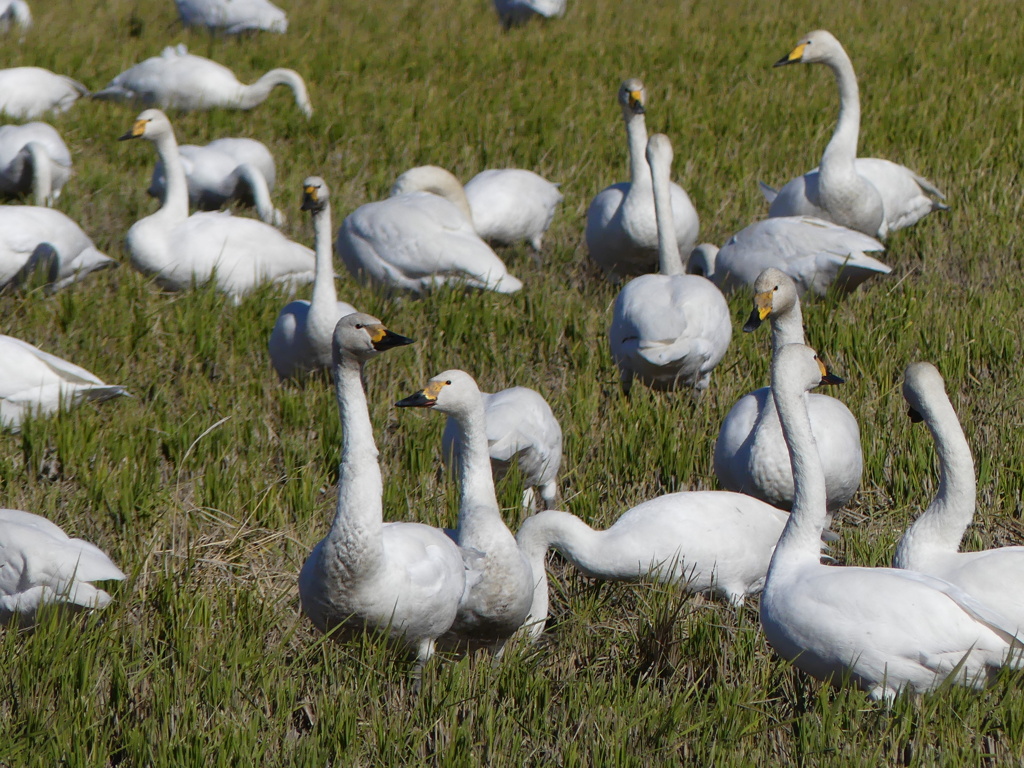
<point x="873" y="196"/>
<point x="41" y="565"/>
<point x="180" y="250"/>
<point x="232" y="16"/>
<point x="515" y="12"/>
<point x="420" y="238"/>
<point x="931" y="544"/>
<point x="498" y="600"/>
<point x="225" y="170"/>
<point x="818" y="255"/>
<point x="712" y="542"/>
<point x="669" y="329"/>
<point x="402" y="579"/>
<point x="521" y="429"/>
<point x="884" y="629"/>
<point x="14" y="12"/>
<point x="32" y="237"/>
<point x="38" y="383"/>
<point x="749" y="455"/>
<point x="301" y="339"/>
<point x="512" y="204"/>
<point x="621" y="233"/>
<point x="33" y="159"/>
<point x="177" y="79"/>
<point x="29" y="92"/>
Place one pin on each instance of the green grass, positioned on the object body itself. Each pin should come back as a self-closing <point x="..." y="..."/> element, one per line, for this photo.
<point x="211" y="484"/>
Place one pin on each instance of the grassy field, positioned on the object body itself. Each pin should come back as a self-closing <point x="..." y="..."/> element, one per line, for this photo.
<point x="211" y="484"/>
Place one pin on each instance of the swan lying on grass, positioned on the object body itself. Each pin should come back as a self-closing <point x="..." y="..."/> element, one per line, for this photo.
<point x="27" y="93"/>
<point x="231" y="17"/>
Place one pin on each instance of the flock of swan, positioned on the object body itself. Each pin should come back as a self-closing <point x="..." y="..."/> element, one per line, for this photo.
<point x="787" y="458"/>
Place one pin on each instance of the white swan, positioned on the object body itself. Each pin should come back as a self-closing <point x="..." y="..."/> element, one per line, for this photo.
<point x="521" y="429"/>
<point x="301" y="339"/>
<point x="41" y="565"/>
<point x="749" y="453"/>
<point x="498" y="600"/>
<point x="420" y="238"/>
<point x="35" y="382"/>
<point x="231" y="17"/>
<point x="34" y="238"/>
<point x="867" y="194"/>
<point x="887" y="630"/>
<point x="711" y="542"/>
<point x="670" y="329"/>
<point x="818" y="255"/>
<point x="225" y="170"/>
<point x="931" y="544"/>
<point x="512" y="204"/>
<point x="180" y="250"/>
<point x="177" y="79"/>
<point x="14" y="12"/>
<point x="515" y="12"/>
<point x="402" y="579"/>
<point x="30" y="92"/>
<point x="621" y="233"/>
<point x="33" y="160"/>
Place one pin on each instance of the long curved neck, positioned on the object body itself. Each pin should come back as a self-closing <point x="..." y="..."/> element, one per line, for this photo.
<point x="941" y="527"/>
<point x="669" y="260"/>
<point x="841" y="151"/>
<point x="787" y="328"/>
<point x="251" y="95"/>
<point x="479" y="514"/>
<point x="175" y="205"/>
<point x="440" y="182"/>
<point x="636" y="131"/>
<point x="260" y="194"/>
<point x="42" y="173"/>
<point x="323" y="303"/>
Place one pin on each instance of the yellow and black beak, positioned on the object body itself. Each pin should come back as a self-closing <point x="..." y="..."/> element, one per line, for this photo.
<point x="826" y="377"/>
<point x="425" y="398"/>
<point x="383" y="339"/>
<point x="136" y="132"/>
<point x="794" y="56"/>
<point x="311" y="198"/>
<point x="762" y="308"/>
<point x="636" y="102"/>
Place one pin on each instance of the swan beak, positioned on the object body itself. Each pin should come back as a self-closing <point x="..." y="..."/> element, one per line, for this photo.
<point x="136" y="132"/>
<point x="826" y="377"/>
<point x="310" y="199"/>
<point x="425" y="398"/>
<point x="915" y="415"/>
<point x="383" y="339"/>
<point x="636" y="102"/>
<point x="794" y="56"/>
<point x="753" y="322"/>
<point x="762" y="308"/>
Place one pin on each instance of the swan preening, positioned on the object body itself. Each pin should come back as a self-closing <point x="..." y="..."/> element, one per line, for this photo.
<point x="181" y="250"/>
<point x="223" y="171"/>
<point x="512" y="204"/>
<point x="14" y="12"/>
<point x="750" y="455"/>
<point x="931" y="545"/>
<point x="27" y="93"/>
<point x="33" y="382"/>
<point x="41" y="565"/>
<point x="669" y="329"/>
<point x="403" y="579"/>
<point x="622" y="231"/>
<point x="873" y="196"/>
<point x="231" y="17"/>
<point x="884" y="629"/>
<point x="515" y="12"/>
<point x="302" y="335"/>
<point x="33" y="160"/>
<point x="177" y="79"/>
<point x="420" y="238"/>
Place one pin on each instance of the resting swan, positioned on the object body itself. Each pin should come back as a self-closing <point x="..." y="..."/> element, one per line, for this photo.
<point x="818" y="255"/>
<point x="14" y="12"/>
<point x="749" y="453"/>
<point x="180" y="250"/>
<point x="515" y="12"/>
<point x="498" y="599"/>
<point x="885" y="629"/>
<point x="301" y="339"/>
<point x="931" y="544"/>
<point x="512" y="204"/>
<point x="669" y="329"/>
<point x="41" y="565"/>
<point x="177" y="79"/>
<point x="622" y="233"/>
<point x="873" y="196"/>
<point x="420" y="238"/>
<point x="225" y="170"/>
<point x="38" y="383"/>
<point x="232" y="16"/>
<point x="27" y="93"/>
<point x="402" y="579"/>
<point x="33" y="160"/>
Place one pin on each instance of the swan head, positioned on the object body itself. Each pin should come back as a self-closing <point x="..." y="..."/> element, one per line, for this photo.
<point x="150" y="124"/>
<point x="702" y="260"/>
<point x="815" y="47"/>
<point x="361" y="336"/>
<point x="449" y="392"/>
<point x="774" y="294"/>
<point x="919" y="381"/>
<point x="797" y="367"/>
<point x="632" y="97"/>
<point x="659" y="151"/>
<point x="315" y="194"/>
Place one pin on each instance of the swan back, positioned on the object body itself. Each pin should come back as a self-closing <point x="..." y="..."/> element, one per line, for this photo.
<point x="29" y="92"/>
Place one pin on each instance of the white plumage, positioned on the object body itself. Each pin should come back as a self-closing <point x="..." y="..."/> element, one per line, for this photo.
<point x="27" y="93"/>
<point x="515" y="12"/>
<point x="512" y="204"/>
<point x="33" y="160"/>
<point x="14" y="12"/>
<point x="231" y="17"/>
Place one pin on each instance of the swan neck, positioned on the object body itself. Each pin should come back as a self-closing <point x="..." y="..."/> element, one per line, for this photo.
<point x="787" y="328"/>
<point x="479" y="514"/>
<point x="325" y="296"/>
<point x="670" y="262"/>
<point x="255" y="94"/>
<point x="842" y="148"/>
<point x="636" y="132"/>
<point x="260" y="193"/>
<point x="42" y="174"/>
<point x="175" y="203"/>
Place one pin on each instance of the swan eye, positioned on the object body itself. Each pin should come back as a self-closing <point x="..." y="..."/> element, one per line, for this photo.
<point x="448" y="382"/>
<point x="359" y="325"/>
<point x="775" y="288"/>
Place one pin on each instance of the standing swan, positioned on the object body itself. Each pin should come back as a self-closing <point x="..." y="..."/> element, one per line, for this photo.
<point x="622" y="233"/>
<point x="888" y="630"/>
<point x="403" y="579"/>
<point x="873" y="196"/>
<point x="498" y="601"/>
<point x="33" y="160"/>
<point x="177" y="79"/>
<point x="27" y="93"/>
<point x="180" y="250"/>
<point x="301" y="339"/>
<point x="669" y="329"/>
<point x="931" y="544"/>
